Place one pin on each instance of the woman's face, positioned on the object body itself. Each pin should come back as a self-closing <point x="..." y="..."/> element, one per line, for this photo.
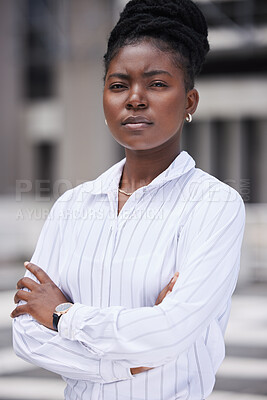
<point x="145" y="102"/>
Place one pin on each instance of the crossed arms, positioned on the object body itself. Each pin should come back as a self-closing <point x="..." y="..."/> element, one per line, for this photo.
<point x="107" y="344"/>
<point x="42" y="297"/>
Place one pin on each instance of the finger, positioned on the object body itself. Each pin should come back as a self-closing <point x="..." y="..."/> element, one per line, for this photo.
<point x="26" y="283"/>
<point x="167" y="288"/>
<point x="38" y="272"/>
<point x="19" y="310"/>
<point x="162" y="295"/>
<point x="174" y="279"/>
<point x="21" y="295"/>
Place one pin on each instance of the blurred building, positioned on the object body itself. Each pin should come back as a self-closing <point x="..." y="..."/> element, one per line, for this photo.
<point x="230" y="136"/>
<point x="53" y="134"/>
<point x="51" y="71"/>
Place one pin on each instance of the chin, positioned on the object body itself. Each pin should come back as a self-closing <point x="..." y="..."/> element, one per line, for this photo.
<point x="139" y="146"/>
<point x="135" y="144"/>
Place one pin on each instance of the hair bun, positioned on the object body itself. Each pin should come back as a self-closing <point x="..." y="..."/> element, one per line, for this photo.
<point x="179" y="23"/>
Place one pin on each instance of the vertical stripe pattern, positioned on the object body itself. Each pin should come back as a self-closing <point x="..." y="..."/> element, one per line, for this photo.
<point x="113" y="268"/>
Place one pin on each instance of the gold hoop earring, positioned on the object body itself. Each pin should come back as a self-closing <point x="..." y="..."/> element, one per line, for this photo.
<point x="189" y="118"/>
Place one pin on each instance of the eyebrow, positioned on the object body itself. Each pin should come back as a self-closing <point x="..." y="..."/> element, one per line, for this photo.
<point x="145" y="74"/>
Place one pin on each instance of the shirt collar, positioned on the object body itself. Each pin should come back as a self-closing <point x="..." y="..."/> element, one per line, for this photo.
<point x="110" y="179"/>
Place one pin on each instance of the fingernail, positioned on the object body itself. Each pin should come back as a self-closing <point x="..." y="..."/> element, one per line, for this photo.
<point x="174" y="279"/>
<point x="168" y="292"/>
<point x="26" y="263"/>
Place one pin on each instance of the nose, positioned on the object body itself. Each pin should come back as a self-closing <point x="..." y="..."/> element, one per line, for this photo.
<point x="136" y="99"/>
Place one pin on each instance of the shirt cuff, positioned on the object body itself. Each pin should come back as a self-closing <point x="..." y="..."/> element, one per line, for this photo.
<point x="66" y="325"/>
<point x="110" y="370"/>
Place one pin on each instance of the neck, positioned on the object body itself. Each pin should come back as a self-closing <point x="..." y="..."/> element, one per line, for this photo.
<point x="143" y="166"/>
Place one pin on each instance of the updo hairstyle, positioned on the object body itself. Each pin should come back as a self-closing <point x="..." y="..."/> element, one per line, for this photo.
<point x="174" y="26"/>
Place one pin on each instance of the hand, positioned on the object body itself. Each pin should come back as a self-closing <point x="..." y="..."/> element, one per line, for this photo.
<point x="167" y="290"/>
<point x="42" y="299"/>
<point x="137" y="370"/>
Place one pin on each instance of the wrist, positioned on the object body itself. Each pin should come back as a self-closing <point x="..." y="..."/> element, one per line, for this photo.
<point x="60" y="310"/>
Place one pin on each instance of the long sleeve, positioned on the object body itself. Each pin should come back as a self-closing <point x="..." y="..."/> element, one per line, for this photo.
<point x="208" y="257"/>
<point x="44" y="347"/>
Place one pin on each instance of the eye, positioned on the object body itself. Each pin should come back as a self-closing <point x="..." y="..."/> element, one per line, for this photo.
<point x="158" y="84"/>
<point x="117" y="86"/>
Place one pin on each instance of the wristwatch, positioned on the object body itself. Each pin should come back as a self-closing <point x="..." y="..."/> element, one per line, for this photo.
<point x="59" y="311"/>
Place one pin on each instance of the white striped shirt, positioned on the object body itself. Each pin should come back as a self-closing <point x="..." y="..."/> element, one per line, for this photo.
<point x="113" y="268"/>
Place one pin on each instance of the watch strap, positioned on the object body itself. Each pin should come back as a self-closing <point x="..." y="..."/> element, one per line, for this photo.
<point x="56" y="318"/>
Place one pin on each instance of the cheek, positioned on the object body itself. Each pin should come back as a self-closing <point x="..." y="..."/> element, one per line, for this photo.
<point x="106" y="105"/>
<point x="177" y="102"/>
<point x="111" y="106"/>
<point x="172" y="110"/>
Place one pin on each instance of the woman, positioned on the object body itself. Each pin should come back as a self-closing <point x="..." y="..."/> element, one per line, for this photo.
<point x="112" y="245"/>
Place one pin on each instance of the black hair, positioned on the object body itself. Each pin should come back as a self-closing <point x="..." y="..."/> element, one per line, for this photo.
<point x="174" y="26"/>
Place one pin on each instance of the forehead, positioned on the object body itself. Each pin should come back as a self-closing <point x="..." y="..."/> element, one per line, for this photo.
<point x="143" y="57"/>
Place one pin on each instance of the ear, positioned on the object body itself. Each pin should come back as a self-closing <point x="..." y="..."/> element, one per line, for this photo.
<point x="192" y="101"/>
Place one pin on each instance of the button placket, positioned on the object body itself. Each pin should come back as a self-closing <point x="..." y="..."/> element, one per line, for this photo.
<point x="113" y="204"/>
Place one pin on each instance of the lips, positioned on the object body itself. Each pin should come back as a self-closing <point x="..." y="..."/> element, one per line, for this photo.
<point x="136" y="120"/>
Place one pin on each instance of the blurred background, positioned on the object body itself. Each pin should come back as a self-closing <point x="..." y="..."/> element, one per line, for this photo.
<point x="53" y="137"/>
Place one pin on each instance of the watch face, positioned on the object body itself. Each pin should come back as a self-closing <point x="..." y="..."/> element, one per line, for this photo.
<point x="63" y="307"/>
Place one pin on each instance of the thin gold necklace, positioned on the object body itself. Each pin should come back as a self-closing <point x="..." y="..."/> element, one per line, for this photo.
<point x="126" y="193"/>
<point x="123" y="191"/>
